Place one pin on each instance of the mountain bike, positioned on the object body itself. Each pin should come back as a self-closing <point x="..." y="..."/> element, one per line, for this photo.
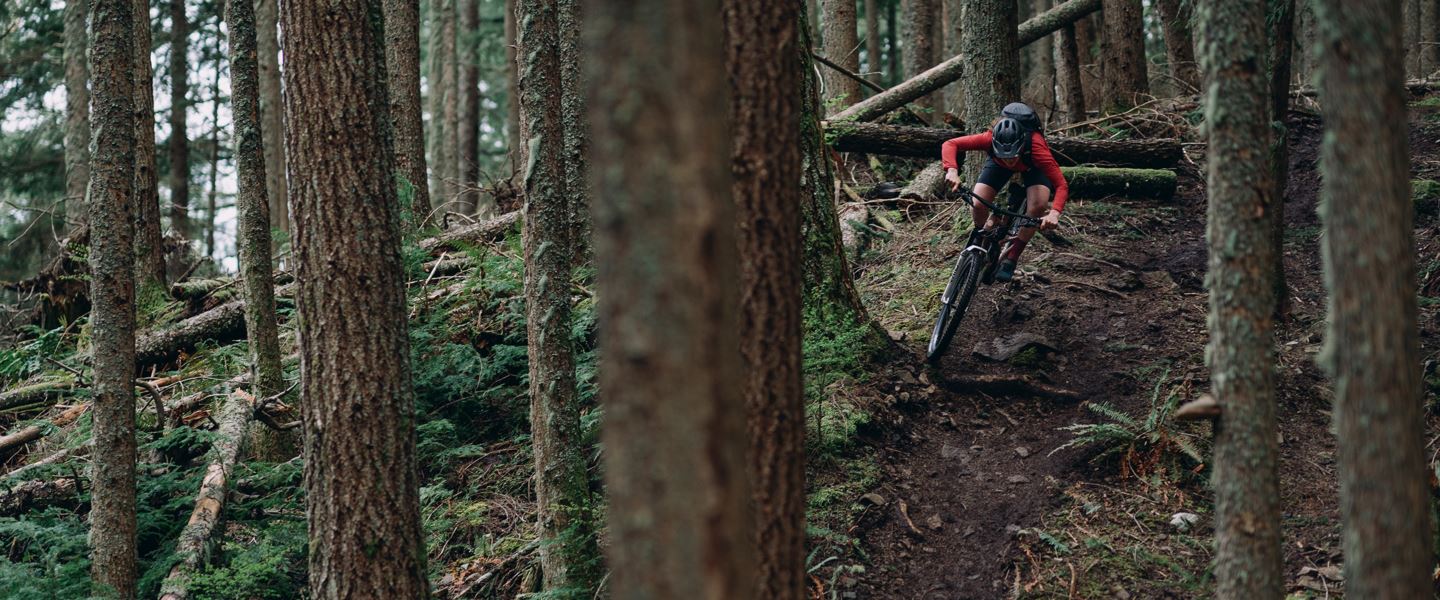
<point x="976" y="264"/>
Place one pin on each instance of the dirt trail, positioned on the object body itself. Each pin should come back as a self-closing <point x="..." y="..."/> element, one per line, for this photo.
<point x="1125" y="306"/>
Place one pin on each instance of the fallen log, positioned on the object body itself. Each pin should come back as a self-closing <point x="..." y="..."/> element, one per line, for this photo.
<point x="1091" y="182"/>
<point x="193" y="548"/>
<point x="928" y="185"/>
<point x="1009" y="385"/>
<point x="40" y="391"/>
<point x="50" y="460"/>
<point x="471" y="234"/>
<point x="29" y="495"/>
<point x="946" y="72"/>
<point x="195" y="289"/>
<point x="34" y="432"/>
<point x="924" y="142"/>
<point x="222" y="324"/>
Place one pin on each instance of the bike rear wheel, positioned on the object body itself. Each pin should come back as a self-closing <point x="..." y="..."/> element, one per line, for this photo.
<point x="953" y="303"/>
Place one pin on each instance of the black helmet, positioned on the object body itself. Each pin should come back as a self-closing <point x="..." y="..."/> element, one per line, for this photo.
<point x="1008" y="138"/>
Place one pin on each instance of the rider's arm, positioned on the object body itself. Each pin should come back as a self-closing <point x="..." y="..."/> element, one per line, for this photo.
<point x="951" y="149"/>
<point x="1043" y="160"/>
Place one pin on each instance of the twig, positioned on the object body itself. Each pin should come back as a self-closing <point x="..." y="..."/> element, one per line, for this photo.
<point x="79" y="377"/>
<point x="159" y="403"/>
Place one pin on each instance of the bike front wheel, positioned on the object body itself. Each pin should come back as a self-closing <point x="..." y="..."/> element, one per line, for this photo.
<point x="953" y="303"/>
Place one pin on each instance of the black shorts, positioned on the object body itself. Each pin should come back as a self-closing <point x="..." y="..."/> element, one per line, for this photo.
<point x="997" y="176"/>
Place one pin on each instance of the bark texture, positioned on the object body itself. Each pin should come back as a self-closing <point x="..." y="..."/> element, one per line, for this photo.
<point x="149" y="247"/>
<point x="1125" y="69"/>
<point x="253" y="231"/>
<point x="1069" y="91"/>
<point x="448" y="158"/>
<point x="573" y="109"/>
<point x="1429" y="35"/>
<point x="112" y="292"/>
<point x="1372" y="349"/>
<point x="946" y="72"/>
<point x="1411" y="18"/>
<point x="874" y="67"/>
<point x="953" y="15"/>
<point x="1087" y="43"/>
<point x="1038" y="86"/>
<point x="272" y="112"/>
<point x="992" y="65"/>
<point x="1175" y="17"/>
<point x="674" y="443"/>
<point x="179" y="103"/>
<point x="568" y="546"/>
<point x="1240" y="278"/>
<point x="468" y="138"/>
<point x="359" y="406"/>
<point x="512" y="91"/>
<point x="1280" y="24"/>
<point x="842" y="46"/>
<point x="402" y="62"/>
<point x="766" y="166"/>
<point x="917" y="22"/>
<point x="77" y="112"/>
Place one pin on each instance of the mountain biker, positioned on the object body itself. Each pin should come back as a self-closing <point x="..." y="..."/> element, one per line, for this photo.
<point x="1014" y="144"/>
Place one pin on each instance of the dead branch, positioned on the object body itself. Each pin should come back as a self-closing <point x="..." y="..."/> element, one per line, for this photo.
<point x="35" y="432"/>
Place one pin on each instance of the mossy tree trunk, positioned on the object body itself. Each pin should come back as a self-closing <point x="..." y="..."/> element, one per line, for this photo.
<point x="569" y="552"/>
<point x="992" y="68"/>
<point x="954" y="26"/>
<point x="468" y="151"/>
<point x="842" y="47"/>
<point x="874" y="66"/>
<point x="447" y="158"/>
<point x="766" y="165"/>
<point x="112" y="292"/>
<point x="179" y="138"/>
<point x="674" y="442"/>
<point x="1372" y="348"/>
<point x="149" y="245"/>
<point x="1429" y="36"/>
<point x="1069" y="91"/>
<point x="1240" y="278"/>
<point x="272" y="112"/>
<point x="253" y="230"/>
<point x="435" y="86"/>
<point x="1125" y="69"/>
<point x="572" y="108"/>
<point x="77" y="112"/>
<point x="1179" y="45"/>
<point x="512" y="92"/>
<point x="1087" y="43"/>
<point x="402" y="63"/>
<point x="1411" y="18"/>
<point x="361" y="480"/>
<point x="1280" y="25"/>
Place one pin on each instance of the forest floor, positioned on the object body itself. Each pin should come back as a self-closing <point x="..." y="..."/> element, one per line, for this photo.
<point x="975" y="495"/>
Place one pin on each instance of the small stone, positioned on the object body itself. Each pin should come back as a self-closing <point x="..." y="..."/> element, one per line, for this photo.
<point x="948" y="451"/>
<point x="1183" y="521"/>
<point x="1018" y="479"/>
<point x="1012" y="530"/>
<point x="873" y="499"/>
<point x="1022" y="452"/>
<point x="907" y="378"/>
<point x="904" y="396"/>
<point x="934" y="523"/>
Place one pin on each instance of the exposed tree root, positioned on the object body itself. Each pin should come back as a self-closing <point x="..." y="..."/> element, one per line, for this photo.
<point x="1009" y="385"/>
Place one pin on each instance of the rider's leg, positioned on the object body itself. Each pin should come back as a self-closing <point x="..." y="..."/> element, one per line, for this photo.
<point x="1037" y="202"/>
<point x="979" y="213"/>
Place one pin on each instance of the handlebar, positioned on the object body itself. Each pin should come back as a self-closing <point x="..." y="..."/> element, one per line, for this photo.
<point x="964" y="191"/>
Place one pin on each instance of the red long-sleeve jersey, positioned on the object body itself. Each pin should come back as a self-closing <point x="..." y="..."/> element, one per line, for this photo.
<point x="1040" y="157"/>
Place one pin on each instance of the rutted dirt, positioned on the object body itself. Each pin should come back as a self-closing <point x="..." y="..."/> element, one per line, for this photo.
<point x="966" y="472"/>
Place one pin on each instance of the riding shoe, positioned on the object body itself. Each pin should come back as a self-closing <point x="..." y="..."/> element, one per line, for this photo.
<point x="1006" y="271"/>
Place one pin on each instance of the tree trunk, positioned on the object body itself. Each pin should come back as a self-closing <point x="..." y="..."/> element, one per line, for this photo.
<point x="1280" y="24"/>
<point x="679" y="522"/>
<point x="1372" y="348"/>
<point x="1179" y="47"/>
<point x="468" y="153"/>
<point x="1304" y="44"/>
<point x="942" y="74"/>
<point x="892" y="34"/>
<point x="568" y="546"/>
<point x="448" y="158"/>
<point x="179" y="136"/>
<point x="402" y="63"/>
<point x="766" y="165"/>
<point x="1087" y="43"/>
<point x="435" y="86"/>
<point x="1069" y="91"/>
<point x="149" y="245"/>
<point x="253" y="231"/>
<point x="512" y="91"/>
<point x="361" y="479"/>
<point x="1125" y="68"/>
<point x="1413" y="35"/>
<point x="1038" y="86"/>
<point x="992" y="65"/>
<point x="77" y="113"/>
<point x="272" y="114"/>
<point x="210" y="209"/>
<point x="112" y="291"/>
<point x="1240" y="278"/>
<point x="842" y="47"/>
<point x="1429" y="36"/>
<point x="954" y="25"/>
<point x="916" y="25"/>
<point x="573" y="109"/>
<point x="873" y="64"/>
